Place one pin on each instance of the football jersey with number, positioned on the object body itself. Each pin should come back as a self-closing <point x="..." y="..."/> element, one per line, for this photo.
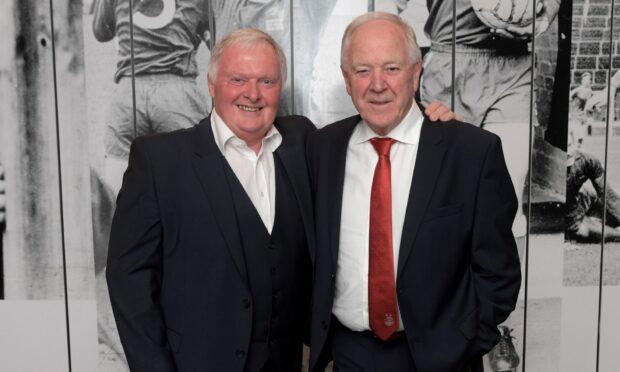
<point x="166" y="34"/>
<point x="469" y="29"/>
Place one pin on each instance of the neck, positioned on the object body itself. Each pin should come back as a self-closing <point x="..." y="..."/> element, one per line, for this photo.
<point x="255" y="145"/>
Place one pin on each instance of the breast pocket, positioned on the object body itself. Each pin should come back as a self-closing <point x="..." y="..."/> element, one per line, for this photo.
<point x="442" y="212"/>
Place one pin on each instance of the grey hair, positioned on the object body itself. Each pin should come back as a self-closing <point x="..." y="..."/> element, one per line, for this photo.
<point x="245" y="38"/>
<point x="412" y="44"/>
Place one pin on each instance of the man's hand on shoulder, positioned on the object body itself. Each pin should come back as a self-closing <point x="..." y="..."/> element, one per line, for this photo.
<point x="436" y="110"/>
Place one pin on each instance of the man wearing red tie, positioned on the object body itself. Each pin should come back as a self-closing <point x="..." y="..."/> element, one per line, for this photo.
<point x="416" y="264"/>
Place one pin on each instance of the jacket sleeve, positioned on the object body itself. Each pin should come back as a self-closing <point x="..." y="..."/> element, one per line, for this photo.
<point x="134" y="268"/>
<point x="104" y="20"/>
<point x="495" y="260"/>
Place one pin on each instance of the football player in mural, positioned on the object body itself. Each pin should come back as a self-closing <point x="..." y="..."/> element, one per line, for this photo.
<point x="166" y="35"/>
<point x="164" y="41"/>
<point x="601" y="98"/>
<point x="492" y="72"/>
<point x="492" y="79"/>
<point x="586" y="200"/>
<point x="579" y="117"/>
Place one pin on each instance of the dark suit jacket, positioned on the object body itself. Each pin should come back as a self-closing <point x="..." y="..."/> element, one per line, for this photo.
<point x="458" y="273"/>
<point x="176" y="270"/>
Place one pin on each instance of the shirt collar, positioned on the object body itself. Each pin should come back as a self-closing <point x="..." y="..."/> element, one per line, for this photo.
<point x="225" y="137"/>
<point x="407" y="131"/>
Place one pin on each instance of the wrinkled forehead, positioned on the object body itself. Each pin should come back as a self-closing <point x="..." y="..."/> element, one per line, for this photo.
<point x="380" y="40"/>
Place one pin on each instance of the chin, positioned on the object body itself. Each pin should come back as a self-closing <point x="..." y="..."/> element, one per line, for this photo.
<point x="381" y="123"/>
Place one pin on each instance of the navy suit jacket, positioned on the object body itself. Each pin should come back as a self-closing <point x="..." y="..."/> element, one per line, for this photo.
<point x="176" y="269"/>
<point x="458" y="274"/>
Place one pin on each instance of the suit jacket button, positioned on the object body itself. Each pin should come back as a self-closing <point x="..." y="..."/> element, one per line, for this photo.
<point x="239" y="353"/>
<point x="324" y="325"/>
<point x="245" y="303"/>
<point x="333" y="277"/>
<point x="271" y="246"/>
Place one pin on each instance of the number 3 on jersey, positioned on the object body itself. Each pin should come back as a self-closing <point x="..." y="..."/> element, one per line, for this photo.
<point x="158" y="21"/>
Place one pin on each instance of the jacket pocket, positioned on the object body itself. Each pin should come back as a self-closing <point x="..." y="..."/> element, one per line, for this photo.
<point x="448" y="210"/>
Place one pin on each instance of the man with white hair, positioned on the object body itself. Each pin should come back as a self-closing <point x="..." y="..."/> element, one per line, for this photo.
<point x="209" y="259"/>
<point x="416" y="264"/>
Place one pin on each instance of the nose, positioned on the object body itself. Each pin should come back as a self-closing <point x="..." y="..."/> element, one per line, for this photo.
<point x="377" y="81"/>
<point x="252" y="91"/>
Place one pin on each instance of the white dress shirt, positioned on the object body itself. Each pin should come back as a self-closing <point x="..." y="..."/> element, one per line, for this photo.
<point x="256" y="172"/>
<point x="351" y="296"/>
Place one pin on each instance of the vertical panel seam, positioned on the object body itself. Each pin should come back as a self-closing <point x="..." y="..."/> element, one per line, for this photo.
<point x="609" y="118"/>
<point x="529" y="188"/>
<point x="133" y="70"/>
<point x="292" y="60"/>
<point x="59" y="168"/>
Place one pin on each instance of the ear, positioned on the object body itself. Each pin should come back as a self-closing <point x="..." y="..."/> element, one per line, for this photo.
<point x="211" y="86"/>
<point x="417" y="70"/>
<point x="347" y="81"/>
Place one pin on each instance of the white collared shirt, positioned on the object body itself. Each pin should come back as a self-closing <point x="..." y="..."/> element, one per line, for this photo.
<point x="351" y="295"/>
<point x="256" y="172"/>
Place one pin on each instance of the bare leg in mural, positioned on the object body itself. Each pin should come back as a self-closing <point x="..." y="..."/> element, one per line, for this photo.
<point x="586" y="201"/>
<point x="102" y="211"/>
<point x="492" y="88"/>
<point x="166" y="35"/>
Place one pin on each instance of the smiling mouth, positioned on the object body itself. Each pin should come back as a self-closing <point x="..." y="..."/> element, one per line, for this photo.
<point x="249" y="108"/>
<point x="379" y="103"/>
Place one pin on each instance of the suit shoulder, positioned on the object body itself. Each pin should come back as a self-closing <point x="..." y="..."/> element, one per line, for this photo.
<point x="467" y="134"/>
<point x="294" y="125"/>
<point x="164" y="143"/>
<point x="338" y="128"/>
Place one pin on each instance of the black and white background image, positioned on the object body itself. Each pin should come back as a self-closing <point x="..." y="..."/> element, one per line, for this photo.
<point x="75" y="90"/>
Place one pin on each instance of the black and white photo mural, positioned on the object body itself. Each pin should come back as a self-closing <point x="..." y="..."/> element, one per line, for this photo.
<point x="591" y="275"/>
<point x="80" y="79"/>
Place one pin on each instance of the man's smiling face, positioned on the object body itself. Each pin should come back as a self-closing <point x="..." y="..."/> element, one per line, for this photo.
<point x="247" y="88"/>
<point x="380" y="76"/>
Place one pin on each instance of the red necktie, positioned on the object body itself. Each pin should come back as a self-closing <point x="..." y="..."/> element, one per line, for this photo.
<point x="382" y="307"/>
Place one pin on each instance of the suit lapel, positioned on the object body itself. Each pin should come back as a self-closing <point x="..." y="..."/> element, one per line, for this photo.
<point x="336" y="161"/>
<point x="428" y="164"/>
<point x="208" y="163"/>
<point x="291" y="153"/>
